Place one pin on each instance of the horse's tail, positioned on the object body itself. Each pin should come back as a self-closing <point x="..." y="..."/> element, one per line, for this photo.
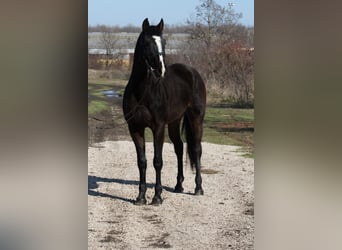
<point x="190" y="140"/>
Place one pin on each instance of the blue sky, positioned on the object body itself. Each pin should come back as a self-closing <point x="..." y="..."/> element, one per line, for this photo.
<point x="124" y="12"/>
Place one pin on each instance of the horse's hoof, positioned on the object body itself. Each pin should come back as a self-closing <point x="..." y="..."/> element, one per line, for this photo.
<point x="156" y="201"/>
<point x="140" y="201"/>
<point x="179" y="189"/>
<point x="199" y="191"/>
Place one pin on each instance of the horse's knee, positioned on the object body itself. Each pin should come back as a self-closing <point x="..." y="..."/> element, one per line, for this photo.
<point x="196" y="151"/>
<point x="157" y="162"/>
<point x="179" y="149"/>
<point x="142" y="163"/>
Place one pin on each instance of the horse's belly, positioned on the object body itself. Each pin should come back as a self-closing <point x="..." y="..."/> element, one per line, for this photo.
<point x="175" y="113"/>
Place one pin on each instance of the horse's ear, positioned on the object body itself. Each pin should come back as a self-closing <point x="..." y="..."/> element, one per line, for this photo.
<point x="161" y="25"/>
<point x="145" y="24"/>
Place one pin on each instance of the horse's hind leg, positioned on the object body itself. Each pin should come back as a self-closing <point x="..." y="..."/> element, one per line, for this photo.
<point x="139" y="142"/>
<point x="175" y="137"/>
<point x="194" y="137"/>
<point x="198" y="178"/>
<point x="198" y="154"/>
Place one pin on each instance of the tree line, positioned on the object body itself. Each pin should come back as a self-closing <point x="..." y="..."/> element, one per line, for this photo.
<point x="173" y="29"/>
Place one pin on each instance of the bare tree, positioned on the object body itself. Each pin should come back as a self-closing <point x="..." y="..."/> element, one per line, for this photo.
<point x="212" y="21"/>
<point x="108" y="40"/>
<point x="235" y="71"/>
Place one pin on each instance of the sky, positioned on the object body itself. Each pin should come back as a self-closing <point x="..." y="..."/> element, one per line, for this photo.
<point x="133" y="12"/>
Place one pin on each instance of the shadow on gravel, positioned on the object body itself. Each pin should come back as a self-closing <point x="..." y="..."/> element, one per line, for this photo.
<point x="96" y="193"/>
<point x="93" y="184"/>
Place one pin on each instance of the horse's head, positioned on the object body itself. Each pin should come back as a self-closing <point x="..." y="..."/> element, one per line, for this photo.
<point x="153" y="47"/>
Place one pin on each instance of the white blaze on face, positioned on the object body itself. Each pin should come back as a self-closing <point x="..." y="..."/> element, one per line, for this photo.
<point x="157" y="39"/>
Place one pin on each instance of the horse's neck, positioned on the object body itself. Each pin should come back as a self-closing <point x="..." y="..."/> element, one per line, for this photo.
<point x="139" y="69"/>
<point x="137" y="78"/>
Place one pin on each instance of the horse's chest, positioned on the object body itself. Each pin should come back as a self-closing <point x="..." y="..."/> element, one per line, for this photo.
<point x="149" y="106"/>
<point x="148" y="115"/>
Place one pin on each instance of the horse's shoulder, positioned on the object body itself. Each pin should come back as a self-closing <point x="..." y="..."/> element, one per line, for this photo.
<point x="180" y="67"/>
<point x="182" y="71"/>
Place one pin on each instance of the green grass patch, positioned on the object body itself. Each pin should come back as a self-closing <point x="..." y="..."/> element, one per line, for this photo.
<point x="228" y="115"/>
<point x="97" y="106"/>
<point x="230" y="127"/>
<point x="97" y="101"/>
<point x="113" y="82"/>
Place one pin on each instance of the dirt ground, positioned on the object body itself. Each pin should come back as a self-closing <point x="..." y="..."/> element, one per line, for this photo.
<point x="223" y="218"/>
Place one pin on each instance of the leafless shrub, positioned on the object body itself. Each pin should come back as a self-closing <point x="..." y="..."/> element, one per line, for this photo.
<point x="219" y="49"/>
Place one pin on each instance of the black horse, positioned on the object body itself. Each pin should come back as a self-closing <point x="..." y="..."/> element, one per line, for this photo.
<point x="156" y="96"/>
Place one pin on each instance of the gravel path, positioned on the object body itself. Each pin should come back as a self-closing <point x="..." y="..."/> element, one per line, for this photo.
<point x="221" y="219"/>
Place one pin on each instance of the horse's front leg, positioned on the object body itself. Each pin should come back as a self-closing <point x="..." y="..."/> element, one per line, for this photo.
<point x="158" y="139"/>
<point x="175" y="137"/>
<point x="138" y="137"/>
